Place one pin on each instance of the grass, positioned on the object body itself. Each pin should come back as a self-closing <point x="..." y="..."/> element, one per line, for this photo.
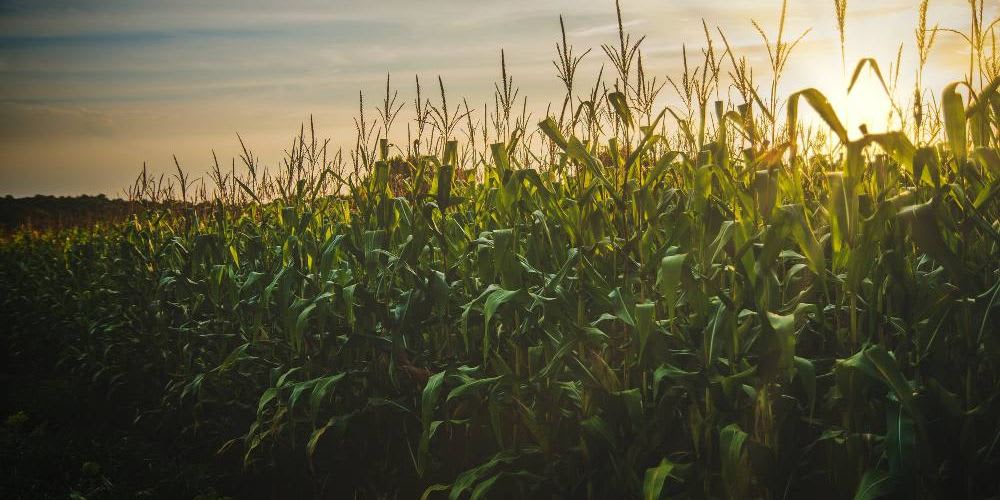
<point x="708" y="301"/>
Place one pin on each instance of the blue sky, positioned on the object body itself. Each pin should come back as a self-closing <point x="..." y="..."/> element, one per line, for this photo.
<point x="90" y="90"/>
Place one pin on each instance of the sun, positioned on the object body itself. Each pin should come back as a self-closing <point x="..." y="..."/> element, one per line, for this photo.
<point x="866" y="105"/>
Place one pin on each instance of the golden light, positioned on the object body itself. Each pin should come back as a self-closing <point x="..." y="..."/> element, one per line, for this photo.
<point x="867" y="104"/>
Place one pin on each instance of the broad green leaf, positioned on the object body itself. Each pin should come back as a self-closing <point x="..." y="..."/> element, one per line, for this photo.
<point x="428" y="402"/>
<point x="656" y="477"/>
<point x="922" y="223"/>
<point x="807" y="375"/>
<point x="315" y="437"/>
<point x="875" y="484"/>
<point x="900" y="442"/>
<point x="953" y="109"/>
<point x="821" y="105"/>
<point x="266" y="398"/>
<point x="645" y="319"/>
<point x="734" y="470"/>
<point x="493" y="302"/>
<point x="620" y="104"/>
<point x="549" y="127"/>
<point x="889" y="372"/>
<point x="320" y="390"/>
<point x="471" y="386"/>
<point x="668" y="278"/>
<point x="465" y="480"/>
<point x="444" y="180"/>
<point x="624" y="307"/>
<point x="784" y="331"/>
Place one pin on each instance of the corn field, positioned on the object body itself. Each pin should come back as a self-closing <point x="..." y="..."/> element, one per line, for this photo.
<point x="614" y="300"/>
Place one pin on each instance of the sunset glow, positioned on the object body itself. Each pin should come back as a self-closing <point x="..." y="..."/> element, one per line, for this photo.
<point x="90" y="93"/>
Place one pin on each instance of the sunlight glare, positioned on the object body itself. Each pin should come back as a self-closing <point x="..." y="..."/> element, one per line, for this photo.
<point x="867" y="104"/>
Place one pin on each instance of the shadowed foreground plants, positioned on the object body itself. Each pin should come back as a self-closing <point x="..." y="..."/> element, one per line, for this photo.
<point x="602" y="306"/>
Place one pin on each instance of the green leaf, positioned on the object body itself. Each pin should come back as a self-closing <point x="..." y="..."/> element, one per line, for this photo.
<point x="428" y="402"/>
<point x="953" y="109"/>
<point x="321" y="389"/>
<point x="465" y="480"/>
<point x="338" y="423"/>
<point x="623" y="306"/>
<point x="472" y="386"/>
<point x="493" y="302"/>
<point x="821" y="105"/>
<point x="922" y="222"/>
<point x="885" y="365"/>
<point x="266" y="398"/>
<point x="444" y="180"/>
<point x="652" y="483"/>
<point x="500" y="159"/>
<point x="726" y="232"/>
<point x="300" y="324"/>
<point x="645" y="319"/>
<point x="897" y="145"/>
<point x="843" y="206"/>
<point x="731" y="439"/>
<point x="900" y="442"/>
<point x="238" y="354"/>
<point x="534" y="427"/>
<point x="668" y="278"/>
<point x="297" y="391"/>
<point x="576" y="150"/>
<point x="807" y="376"/>
<point x="874" y="65"/>
<point x="620" y="103"/>
<point x="484" y="487"/>
<point x="551" y="130"/>
<point x="434" y="488"/>
<point x="765" y="189"/>
<point x="784" y="331"/>
<point x="874" y="484"/>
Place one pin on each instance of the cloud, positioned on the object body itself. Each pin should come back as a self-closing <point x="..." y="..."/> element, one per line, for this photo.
<point x="605" y="29"/>
<point x="20" y="122"/>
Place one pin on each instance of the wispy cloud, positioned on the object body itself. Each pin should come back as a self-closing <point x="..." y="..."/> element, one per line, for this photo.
<point x="605" y="29"/>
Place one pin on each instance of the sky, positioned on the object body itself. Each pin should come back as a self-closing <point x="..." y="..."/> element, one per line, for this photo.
<point x="91" y="90"/>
